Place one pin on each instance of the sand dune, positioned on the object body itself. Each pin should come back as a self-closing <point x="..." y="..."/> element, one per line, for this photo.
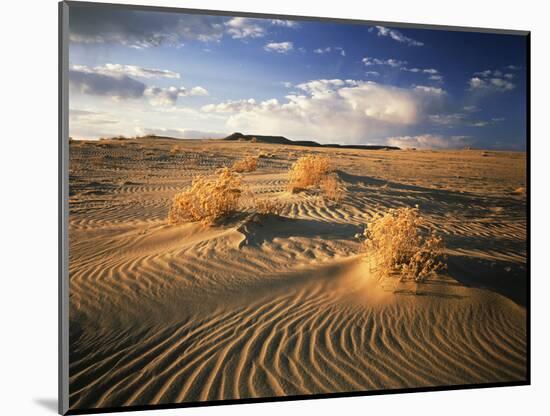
<point x="283" y="305"/>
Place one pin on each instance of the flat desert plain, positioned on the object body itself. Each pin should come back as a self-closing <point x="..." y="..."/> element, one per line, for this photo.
<point x="276" y="305"/>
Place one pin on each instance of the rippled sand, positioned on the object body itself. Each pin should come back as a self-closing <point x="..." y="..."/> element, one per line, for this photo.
<point x="261" y="307"/>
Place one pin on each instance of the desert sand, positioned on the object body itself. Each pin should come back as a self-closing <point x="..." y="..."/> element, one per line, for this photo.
<point x="264" y="306"/>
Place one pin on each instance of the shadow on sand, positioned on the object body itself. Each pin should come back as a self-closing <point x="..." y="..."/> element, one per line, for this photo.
<point x="261" y="229"/>
<point x="506" y="278"/>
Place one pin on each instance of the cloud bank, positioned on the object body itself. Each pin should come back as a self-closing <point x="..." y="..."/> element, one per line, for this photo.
<point x="334" y="110"/>
<point x="180" y="133"/>
<point x="113" y="81"/>
<point x="140" y="29"/>
<point x="129" y="70"/>
<point x="429" y="141"/>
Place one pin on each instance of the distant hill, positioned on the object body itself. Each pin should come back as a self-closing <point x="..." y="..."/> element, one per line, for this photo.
<point x="309" y="143"/>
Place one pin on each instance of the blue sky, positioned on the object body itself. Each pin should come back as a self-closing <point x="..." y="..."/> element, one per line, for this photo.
<point x="194" y="76"/>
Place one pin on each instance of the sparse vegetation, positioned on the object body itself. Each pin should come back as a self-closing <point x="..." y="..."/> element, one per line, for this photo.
<point x="248" y="164"/>
<point x="308" y="171"/>
<point x="332" y="188"/>
<point x="269" y="207"/>
<point x="175" y="149"/>
<point x="208" y="199"/>
<point x="397" y="244"/>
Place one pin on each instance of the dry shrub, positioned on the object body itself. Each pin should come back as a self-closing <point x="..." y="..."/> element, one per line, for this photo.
<point x="175" y="149"/>
<point x="208" y="199"/>
<point x="521" y="190"/>
<point x="397" y="244"/>
<point x="248" y="164"/>
<point x="269" y="207"/>
<point x="308" y="171"/>
<point x="332" y="188"/>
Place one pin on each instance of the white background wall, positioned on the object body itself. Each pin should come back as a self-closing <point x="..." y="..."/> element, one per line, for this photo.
<point x="28" y="203"/>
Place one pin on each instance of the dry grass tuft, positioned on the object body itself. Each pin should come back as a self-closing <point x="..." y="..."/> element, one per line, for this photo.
<point x="248" y="164"/>
<point x="269" y="207"/>
<point x="175" y="149"/>
<point x="521" y="190"/>
<point x="332" y="188"/>
<point x="396" y="243"/>
<point x="308" y="171"/>
<point x="208" y="199"/>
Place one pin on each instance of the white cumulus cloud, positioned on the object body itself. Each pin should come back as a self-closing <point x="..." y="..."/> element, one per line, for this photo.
<point x="230" y="106"/>
<point x="243" y="27"/>
<point x="333" y="110"/>
<point x="169" y="96"/>
<point x="491" y="81"/>
<point x="279" y="47"/>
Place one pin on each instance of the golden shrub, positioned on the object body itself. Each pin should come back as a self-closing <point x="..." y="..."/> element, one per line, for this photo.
<point x="308" y="171"/>
<point x="208" y="199"/>
<point x="397" y="244"/>
<point x="175" y="149"/>
<point x="269" y="207"/>
<point x="332" y="188"/>
<point x="248" y="164"/>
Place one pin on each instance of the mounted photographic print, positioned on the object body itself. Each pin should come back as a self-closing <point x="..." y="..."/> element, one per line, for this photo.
<point x="261" y="208"/>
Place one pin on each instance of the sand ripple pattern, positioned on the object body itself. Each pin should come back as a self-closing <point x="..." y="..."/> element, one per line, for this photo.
<point x="260" y="307"/>
<point x="305" y="342"/>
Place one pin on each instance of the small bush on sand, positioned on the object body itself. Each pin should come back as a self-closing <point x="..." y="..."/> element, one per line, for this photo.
<point x="308" y="171"/>
<point x="332" y="188"/>
<point x="269" y="207"/>
<point x="175" y="149"/>
<point x="208" y="199"/>
<point x="248" y="164"/>
<point x="396" y="244"/>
